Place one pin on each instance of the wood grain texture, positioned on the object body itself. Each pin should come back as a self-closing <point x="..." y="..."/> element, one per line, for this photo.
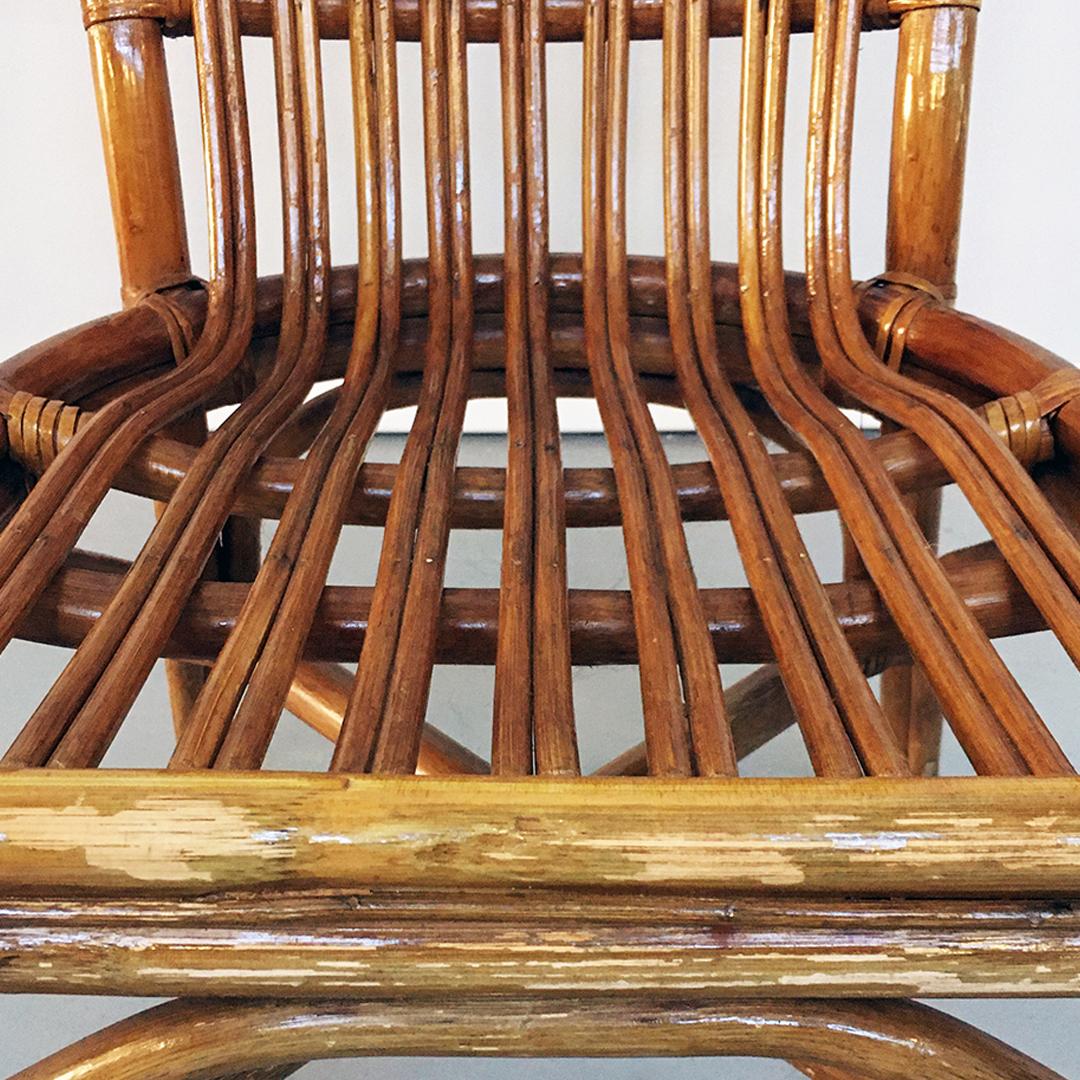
<point x="379" y="943"/>
<point x="85" y="832"/>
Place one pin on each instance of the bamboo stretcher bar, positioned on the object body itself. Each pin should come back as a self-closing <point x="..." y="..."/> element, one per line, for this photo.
<point x="883" y="1040"/>
<point x="600" y="622"/>
<point x="100" y="832"/>
<point x="375" y="943"/>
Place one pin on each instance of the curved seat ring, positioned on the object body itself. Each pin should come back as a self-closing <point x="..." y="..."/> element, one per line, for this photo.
<point x="89" y="362"/>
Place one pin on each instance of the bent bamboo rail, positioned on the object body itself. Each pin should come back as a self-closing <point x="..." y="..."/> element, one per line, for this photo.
<point x="876" y="1040"/>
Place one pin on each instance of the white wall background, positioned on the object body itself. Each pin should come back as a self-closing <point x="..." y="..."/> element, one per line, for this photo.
<point x="1020" y="241"/>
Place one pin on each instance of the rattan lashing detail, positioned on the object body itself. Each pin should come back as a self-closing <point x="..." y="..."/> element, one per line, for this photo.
<point x="37" y="429"/>
<point x="893" y="325"/>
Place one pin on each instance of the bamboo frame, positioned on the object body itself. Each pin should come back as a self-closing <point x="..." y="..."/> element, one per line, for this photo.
<point x="563" y="21"/>
<point x="139" y="135"/>
<point x="884" y="1041"/>
<point x="975" y="837"/>
<point x="372" y="943"/>
<point x="685" y="880"/>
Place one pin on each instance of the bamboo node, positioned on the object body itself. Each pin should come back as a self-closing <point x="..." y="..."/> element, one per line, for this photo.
<point x="168" y="12"/>
<point x="891" y="340"/>
<point x="37" y="429"/>
<point x="899" y="8"/>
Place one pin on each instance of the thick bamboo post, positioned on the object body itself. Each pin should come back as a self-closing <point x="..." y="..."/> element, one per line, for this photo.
<point x="135" y="110"/>
<point x="929" y="141"/>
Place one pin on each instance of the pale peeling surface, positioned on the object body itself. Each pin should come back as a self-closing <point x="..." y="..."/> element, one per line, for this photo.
<point x="158" y="839"/>
<point x="444" y="942"/>
<point x="97" y="830"/>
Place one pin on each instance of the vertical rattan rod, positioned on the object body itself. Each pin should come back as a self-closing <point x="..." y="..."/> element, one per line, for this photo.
<point x="555" y="733"/>
<point x="710" y="735"/>
<point x="398" y="745"/>
<point x="666" y="732"/>
<point x="764" y="527"/>
<point x="512" y="723"/>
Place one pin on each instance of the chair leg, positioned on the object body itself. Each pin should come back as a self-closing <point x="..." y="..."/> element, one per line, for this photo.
<point x="906" y="695"/>
<point x="208" y="1040"/>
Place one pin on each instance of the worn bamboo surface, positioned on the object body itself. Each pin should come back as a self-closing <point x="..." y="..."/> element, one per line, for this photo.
<point x="373" y="943"/>
<point x="87" y="831"/>
<point x="755" y="361"/>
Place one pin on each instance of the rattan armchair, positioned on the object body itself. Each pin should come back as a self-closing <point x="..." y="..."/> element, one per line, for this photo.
<point x="407" y="901"/>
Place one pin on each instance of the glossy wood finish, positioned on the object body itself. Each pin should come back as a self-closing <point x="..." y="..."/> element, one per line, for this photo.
<point x="319" y="695"/>
<point x="884" y="1041"/>
<point x="935" y="54"/>
<point x="135" y="109"/>
<point x="601" y="626"/>
<point x="579" y="904"/>
<point x="564" y="19"/>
